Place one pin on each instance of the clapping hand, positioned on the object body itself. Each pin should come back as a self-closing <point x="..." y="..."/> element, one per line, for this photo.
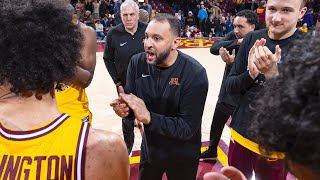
<point x="264" y="60"/>
<point x="226" y="57"/>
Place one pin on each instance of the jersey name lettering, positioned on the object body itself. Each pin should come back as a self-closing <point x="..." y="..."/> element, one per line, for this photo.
<point x="21" y="167"/>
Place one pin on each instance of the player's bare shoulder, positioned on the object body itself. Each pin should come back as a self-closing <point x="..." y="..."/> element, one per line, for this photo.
<point x="106" y="156"/>
<point x="87" y="30"/>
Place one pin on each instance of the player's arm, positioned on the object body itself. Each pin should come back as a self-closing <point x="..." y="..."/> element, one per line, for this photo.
<point x="229" y="42"/>
<point x="239" y="78"/>
<point x="106" y="156"/>
<point x="85" y="70"/>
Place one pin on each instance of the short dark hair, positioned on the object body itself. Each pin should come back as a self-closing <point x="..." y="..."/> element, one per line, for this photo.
<point x="287" y="116"/>
<point x="45" y="50"/>
<point x="251" y="16"/>
<point x="173" y="22"/>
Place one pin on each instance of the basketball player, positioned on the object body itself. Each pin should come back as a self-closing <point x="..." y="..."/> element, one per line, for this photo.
<point x="37" y="141"/>
<point x="256" y="62"/>
<point x="286" y="116"/>
<point x="71" y="96"/>
<point x="245" y="21"/>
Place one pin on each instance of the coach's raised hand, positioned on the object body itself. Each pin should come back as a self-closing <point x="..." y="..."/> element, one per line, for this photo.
<point x="138" y="106"/>
<point x="120" y="107"/>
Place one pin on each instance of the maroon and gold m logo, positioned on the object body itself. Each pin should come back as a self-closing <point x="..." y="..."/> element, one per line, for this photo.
<point x="174" y="81"/>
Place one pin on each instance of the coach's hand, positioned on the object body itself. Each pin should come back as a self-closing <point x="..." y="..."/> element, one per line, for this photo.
<point x="120" y="107"/>
<point x="226" y="57"/>
<point x="139" y="108"/>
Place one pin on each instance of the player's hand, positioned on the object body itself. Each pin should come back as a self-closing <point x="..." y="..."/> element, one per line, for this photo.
<point x="226" y="57"/>
<point x="138" y="106"/>
<point x="119" y="106"/>
<point x="253" y="71"/>
<point x="226" y="174"/>
<point x="265" y="60"/>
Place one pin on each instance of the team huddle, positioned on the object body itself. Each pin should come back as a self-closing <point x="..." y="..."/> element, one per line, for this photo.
<point x="270" y="88"/>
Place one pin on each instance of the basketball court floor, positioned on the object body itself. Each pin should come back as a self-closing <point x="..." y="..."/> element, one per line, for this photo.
<point x="102" y="91"/>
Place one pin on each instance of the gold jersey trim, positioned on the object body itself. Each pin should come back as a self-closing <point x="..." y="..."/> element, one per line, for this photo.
<point x="252" y="146"/>
<point x="26" y="135"/>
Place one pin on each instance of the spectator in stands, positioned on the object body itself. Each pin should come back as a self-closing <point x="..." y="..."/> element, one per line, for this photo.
<point x="137" y="2"/>
<point x="315" y="17"/>
<point x="194" y="31"/>
<point x="111" y="20"/>
<point x="103" y="8"/>
<point x="251" y="5"/>
<point x="316" y="5"/>
<point x="304" y="27"/>
<point x="215" y="10"/>
<point x="190" y="20"/>
<point x="195" y="12"/>
<point x="89" y="20"/>
<point x="261" y="13"/>
<point x="229" y="24"/>
<point x="105" y="21"/>
<point x="88" y="6"/>
<point x="192" y="6"/>
<point x="79" y="9"/>
<point x="181" y="16"/>
<point x="181" y="20"/>
<point x="117" y="12"/>
<point x="176" y="5"/>
<point x="308" y="18"/>
<point x="209" y="6"/>
<point x="309" y="3"/>
<point x="106" y="24"/>
<point x="147" y="7"/>
<point x="210" y="25"/>
<point x="70" y="7"/>
<point x="111" y="7"/>
<point x="317" y="25"/>
<point x="99" y="30"/>
<point x="202" y="16"/>
<point x="187" y="32"/>
<point x="230" y="6"/>
<point x="96" y="6"/>
<point x="219" y="26"/>
<point x="241" y="6"/>
<point x="144" y="16"/>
